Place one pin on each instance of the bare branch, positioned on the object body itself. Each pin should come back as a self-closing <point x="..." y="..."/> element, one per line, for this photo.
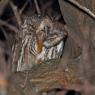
<point x="9" y="26"/>
<point x="16" y="13"/>
<point x="24" y="6"/>
<point x="37" y="7"/>
<point x="3" y="4"/>
<point x="86" y="10"/>
<point x="4" y="32"/>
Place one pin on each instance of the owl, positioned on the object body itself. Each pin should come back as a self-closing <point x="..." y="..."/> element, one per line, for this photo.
<point x="41" y="40"/>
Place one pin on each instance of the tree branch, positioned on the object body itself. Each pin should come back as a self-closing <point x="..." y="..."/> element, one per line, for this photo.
<point x="16" y="13"/>
<point x="9" y="26"/>
<point x="37" y="7"/>
<point x="86" y="10"/>
<point x="24" y="6"/>
<point x="3" y="4"/>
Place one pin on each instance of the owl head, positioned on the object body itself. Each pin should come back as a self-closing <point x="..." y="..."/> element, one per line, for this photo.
<point x="36" y="25"/>
<point x="44" y="27"/>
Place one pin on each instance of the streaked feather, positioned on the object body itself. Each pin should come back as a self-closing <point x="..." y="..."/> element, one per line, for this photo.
<point x="39" y="33"/>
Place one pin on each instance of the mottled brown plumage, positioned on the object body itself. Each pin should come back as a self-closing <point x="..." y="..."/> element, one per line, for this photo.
<point x="41" y="39"/>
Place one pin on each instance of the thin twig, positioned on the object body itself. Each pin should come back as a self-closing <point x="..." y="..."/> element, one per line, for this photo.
<point x="9" y="26"/>
<point x="86" y="10"/>
<point x="16" y="13"/>
<point x="37" y="7"/>
<point x="3" y="4"/>
<point x="4" y="32"/>
<point x="24" y="6"/>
